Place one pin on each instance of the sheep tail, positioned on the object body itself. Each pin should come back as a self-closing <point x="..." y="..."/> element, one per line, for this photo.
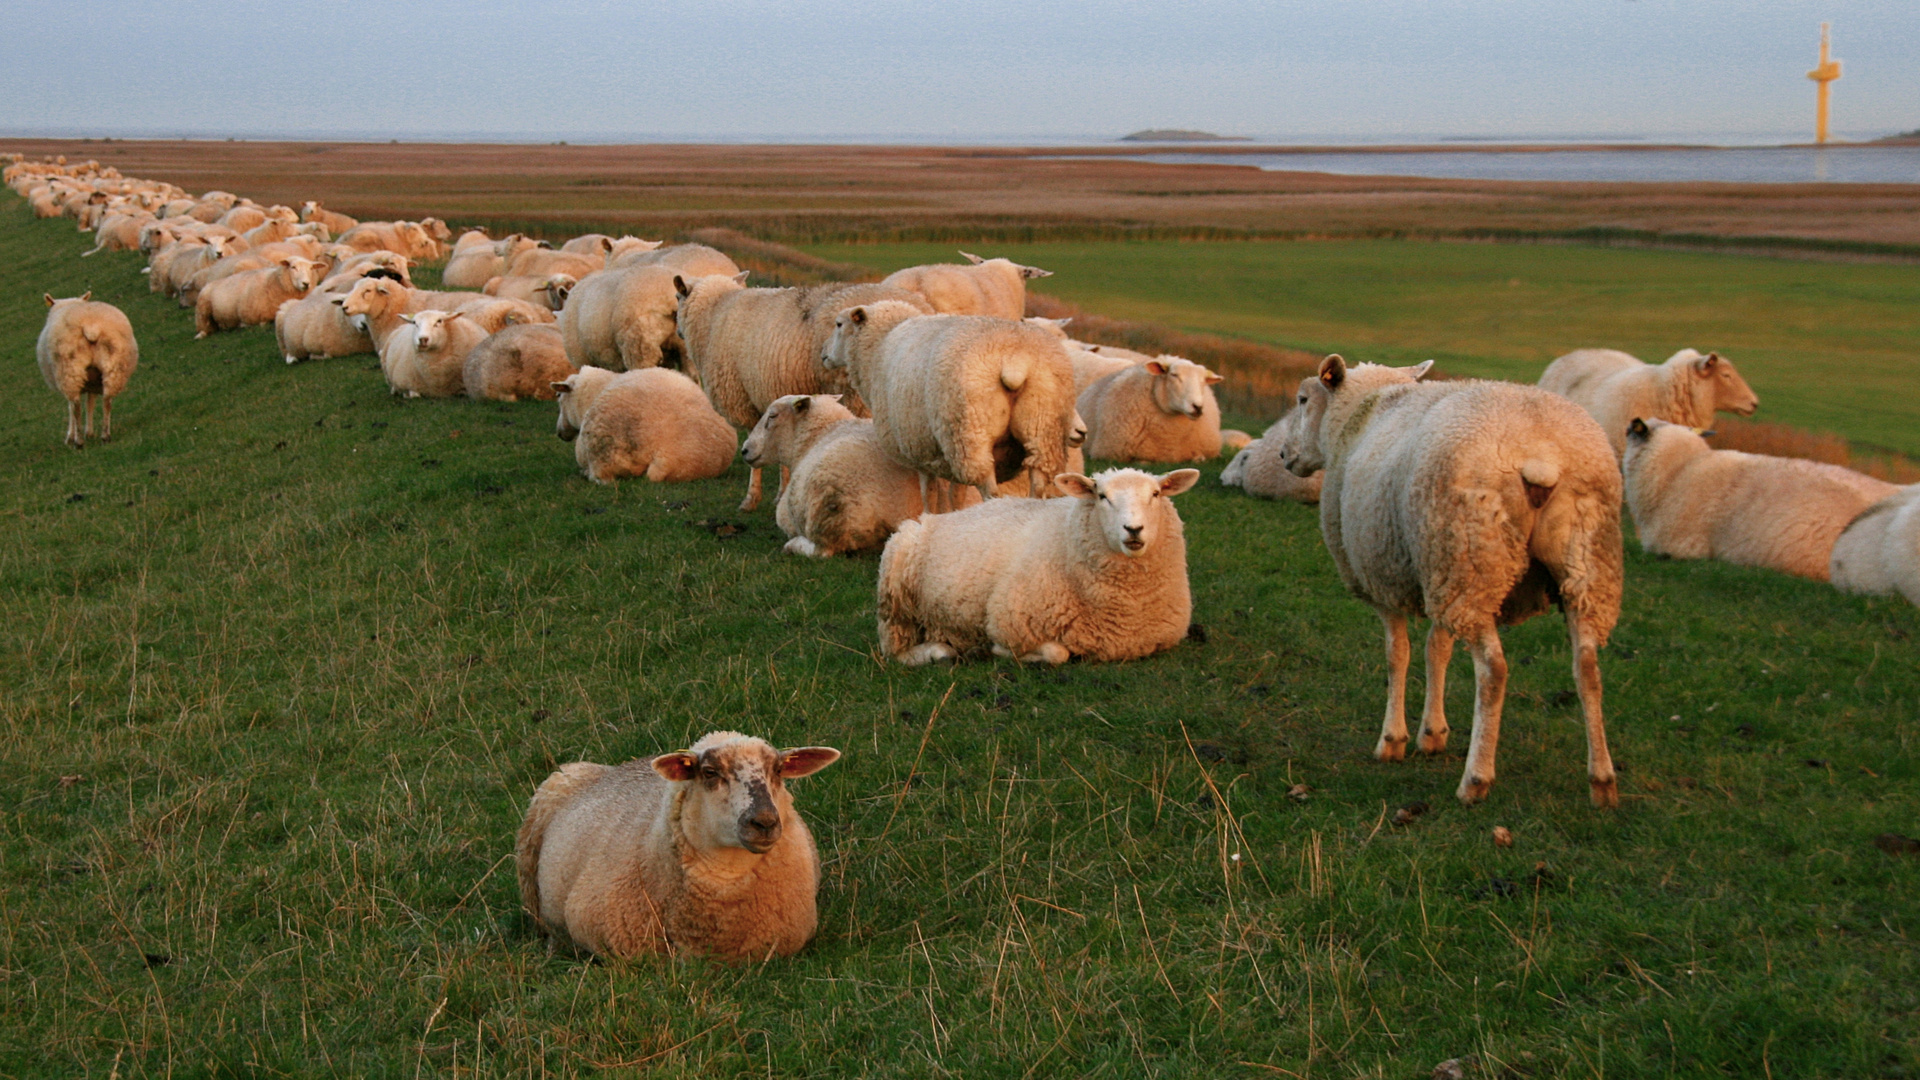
<point x="1539" y="478"/>
<point x="1013" y="376"/>
<point x="552" y="796"/>
<point x="92" y="334"/>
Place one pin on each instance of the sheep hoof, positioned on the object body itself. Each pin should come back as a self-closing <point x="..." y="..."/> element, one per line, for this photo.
<point x="928" y="653"/>
<point x="1050" y="653"/>
<point x="291" y="359"/>
<point x="1390" y="749"/>
<point x="1433" y="742"/>
<point x="199" y="335"/>
<point x="800" y="545"/>
<point x="1472" y="791"/>
<point x="749" y="505"/>
<point x="1606" y="793"/>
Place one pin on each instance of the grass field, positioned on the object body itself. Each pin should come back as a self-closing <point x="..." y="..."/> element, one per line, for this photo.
<point x="285" y="660"/>
<point x="1829" y="346"/>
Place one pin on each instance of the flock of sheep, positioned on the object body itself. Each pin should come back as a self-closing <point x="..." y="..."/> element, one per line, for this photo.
<point x="926" y="416"/>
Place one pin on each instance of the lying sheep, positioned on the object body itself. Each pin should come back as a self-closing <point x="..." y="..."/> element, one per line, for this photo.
<point x="1476" y="505"/>
<point x="370" y="264"/>
<point x="1690" y="501"/>
<point x="253" y="297"/>
<point x="400" y="237"/>
<point x="1102" y="574"/>
<point x="689" y="260"/>
<point x="497" y="313"/>
<point x="1879" y="553"/>
<point x="121" y="231"/>
<point x="592" y="243"/>
<point x="431" y="361"/>
<point x="549" y="292"/>
<point x="377" y="304"/>
<point x="87" y="353"/>
<point x="693" y="853"/>
<point x="748" y="347"/>
<point x="1091" y="364"/>
<point x="988" y="287"/>
<point x="1259" y="468"/>
<point x="473" y="265"/>
<point x="970" y="399"/>
<point x="243" y="217"/>
<point x="844" y="493"/>
<point x="653" y="423"/>
<point x="623" y="319"/>
<point x="519" y="363"/>
<point x="540" y="262"/>
<point x="1616" y="388"/>
<point x="314" y="327"/>
<point x="336" y="223"/>
<point x="1162" y="411"/>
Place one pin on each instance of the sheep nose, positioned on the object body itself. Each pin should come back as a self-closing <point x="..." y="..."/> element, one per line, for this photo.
<point x="1133" y="531"/>
<point x="1197" y="410"/>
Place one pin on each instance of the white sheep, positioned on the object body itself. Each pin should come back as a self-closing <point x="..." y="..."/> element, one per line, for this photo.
<point x="336" y="223"/>
<point x="86" y="353"/>
<point x="431" y="361"/>
<point x="995" y="287"/>
<point x="550" y="291"/>
<point x="539" y="262"/>
<point x="1879" y="553"/>
<point x="377" y="304"/>
<point x="970" y="399"/>
<point x="1161" y="411"/>
<point x="1474" y="504"/>
<point x="1615" y="388"/>
<point x="315" y="327"/>
<point x="1091" y="363"/>
<point x="690" y="260"/>
<point x="692" y="853"/>
<point x="519" y="363"/>
<point x="475" y="263"/>
<point x="1102" y="574"/>
<point x="653" y="423"/>
<point x="1259" y="467"/>
<point x="496" y="313"/>
<point x="1690" y="501"/>
<point x="844" y="493"/>
<point x="253" y="297"/>
<point x="623" y="319"/>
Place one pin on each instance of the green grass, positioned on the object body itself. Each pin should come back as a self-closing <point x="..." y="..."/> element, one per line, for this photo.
<point x="1829" y="346"/>
<point x="280" y="680"/>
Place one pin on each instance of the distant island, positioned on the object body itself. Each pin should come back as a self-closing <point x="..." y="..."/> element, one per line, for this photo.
<point x="1180" y="135"/>
<point x="1904" y="138"/>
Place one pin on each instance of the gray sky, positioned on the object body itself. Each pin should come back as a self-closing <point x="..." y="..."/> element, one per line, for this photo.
<point x="959" y="70"/>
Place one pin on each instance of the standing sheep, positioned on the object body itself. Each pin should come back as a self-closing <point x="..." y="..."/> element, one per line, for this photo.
<point x="1102" y="574"/>
<point x="1691" y="501"/>
<point x="1616" y="388"/>
<point x="623" y="319"/>
<point x="652" y="422"/>
<point x="969" y="399"/>
<point x="1261" y="470"/>
<point x="995" y="287"/>
<point x="1476" y="505"/>
<point x="1879" y="553"/>
<point x="86" y="353"/>
<point x="844" y="494"/>
<point x="1162" y="411"/>
<point x="519" y="363"/>
<point x="693" y="853"/>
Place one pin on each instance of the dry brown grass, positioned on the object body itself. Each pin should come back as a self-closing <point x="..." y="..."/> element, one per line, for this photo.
<point x="1784" y="440"/>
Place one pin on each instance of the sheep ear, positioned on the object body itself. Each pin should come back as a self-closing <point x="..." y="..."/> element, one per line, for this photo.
<point x="806" y="760"/>
<point x="1034" y="272"/>
<point x="560" y="387"/>
<point x="680" y="285"/>
<point x="404" y="317"/>
<point x="680" y="766"/>
<point x="1157" y="367"/>
<point x="1704" y="366"/>
<point x="803" y="404"/>
<point x="1333" y="372"/>
<point x="1178" y="481"/>
<point x="1073" y="484"/>
<point x="1212" y="378"/>
<point x="49" y="297"/>
<point x="972" y="258"/>
<point x="1638" y="429"/>
<point x="857" y="316"/>
<point x="741" y="277"/>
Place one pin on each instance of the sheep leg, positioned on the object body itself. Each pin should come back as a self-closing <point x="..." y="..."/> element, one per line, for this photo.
<point x="106" y="419"/>
<point x="74" y="438"/>
<point x="1586" y="676"/>
<point x="90" y="399"/>
<point x="1489" y="692"/>
<point x="988" y="491"/>
<point x="1433" y="719"/>
<point x="1393" y="732"/>
<point x="752" y="501"/>
<point x="926" y="495"/>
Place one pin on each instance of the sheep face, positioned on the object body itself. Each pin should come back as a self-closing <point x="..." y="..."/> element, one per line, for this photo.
<point x="574" y="394"/>
<point x="1129" y="505"/>
<point x="771" y="435"/>
<point x="1729" y="391"/>
<point x="1180" y="386"/>
<point x="1077" y="432"/>
<point x="732" y="788"/>
<point x="367" y="296"/>
<point x="302" y="273"/>
<point x="560" y="286"/>
<point x="430" y="328"/>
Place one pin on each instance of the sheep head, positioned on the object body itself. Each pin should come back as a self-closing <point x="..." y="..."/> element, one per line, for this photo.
<point x="430" y="328"/>
<point x="731" y="788"/>
<point x="575" y="394"/>
<point x="1129" y="505"/>
<point x="780" y="434"/>
<point x="558" y="287"/>
<point x="1338" y="390"/>
<point x="301" y="273"/>
<point x="1179" y="387"/>
<point x="1724" y="386"/>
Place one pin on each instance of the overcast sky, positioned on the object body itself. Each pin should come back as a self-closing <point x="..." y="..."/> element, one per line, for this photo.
<point x="967" y="69"/>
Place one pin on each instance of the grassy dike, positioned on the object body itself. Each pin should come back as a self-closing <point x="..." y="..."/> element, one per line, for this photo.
<point x="283" y="662"/>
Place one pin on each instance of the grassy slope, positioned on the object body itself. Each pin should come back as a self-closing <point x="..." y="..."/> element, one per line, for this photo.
<point x="1829" y="346"/>
<point x="308" y="667"/>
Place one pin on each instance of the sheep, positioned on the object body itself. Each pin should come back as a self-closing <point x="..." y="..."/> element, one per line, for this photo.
<point x="87" y="353"/>
<point x="748" y="347"/>
<point x="316" y="327"/>
<point x="174" y="267"/>
<point x="496" y="313"/>
<point x="550" y="291"/>
<point x="988" y="287"/>
<point x="430" y="361"/>
<point x="519" y="362"/>
<point x="652" y="422"/>
<point x="1162" y="411"/>
<point x="472" y="266"/>
<point x="970" y="399"/>
<point x="1879" y="553"/>
<point x="120" y="231"/>
<point x="336" y="223"/>
<point x="691" y="260"/>
<point x="589" y="244"/>
<point x="1102" y="574"/>
<point x="400" y="237"/>
<point x="539" y="262"/>
<point x="1090" y="365"/>
<point x="698" y="852"/>
<point x="1690" y="501"/>
<point x="243" y="217"/>
<point x="253" y="297"/>
<point x="362" y="264"/>
<point x="844" y="493"/>
<point x="1259" y="470"/>
<point x="377" y="304"/>
<point x="1474" y="504"/>
<point x="1617" y="388"/>
<point x="623" y="319"/>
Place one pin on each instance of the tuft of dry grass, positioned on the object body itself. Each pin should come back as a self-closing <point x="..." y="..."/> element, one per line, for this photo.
<point x="1785" y="440"/>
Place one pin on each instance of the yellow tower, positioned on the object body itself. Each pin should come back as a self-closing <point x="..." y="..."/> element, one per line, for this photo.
<point x="1823" y="75"/>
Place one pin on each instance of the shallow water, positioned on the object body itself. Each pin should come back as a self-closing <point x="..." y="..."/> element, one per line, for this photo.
<point x="1770" y="165"/>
